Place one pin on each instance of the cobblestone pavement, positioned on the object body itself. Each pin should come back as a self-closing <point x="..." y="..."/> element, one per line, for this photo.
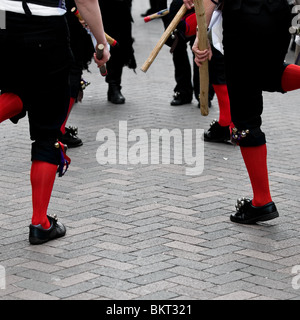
<point x="150" y="231"/>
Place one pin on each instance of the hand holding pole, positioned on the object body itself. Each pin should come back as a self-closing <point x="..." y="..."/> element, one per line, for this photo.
<point x="99" y="55"/>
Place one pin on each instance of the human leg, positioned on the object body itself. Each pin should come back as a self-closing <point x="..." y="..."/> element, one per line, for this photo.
<point x="183" y="91"/>
<point x="248" y="73"/>
<point x="42" y="178"/>
<point x="10" y="106"/>
<point x="114" y="79"/>
<point x="291" y="78"/>
<point x="219" y="130"/>
<point x="46" y="113"/>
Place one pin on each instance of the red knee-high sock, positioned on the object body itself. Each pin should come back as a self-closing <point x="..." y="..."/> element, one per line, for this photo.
<point x="224" y="104"/>
<point x="42" y="178"/>
<point x="10" y="105"/>
<point x="255" y="159"/>
<point x="71" y="104"/>
<point x="291" y="78"/>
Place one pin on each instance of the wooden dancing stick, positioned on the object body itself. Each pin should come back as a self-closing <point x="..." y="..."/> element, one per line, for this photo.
<point x="156" y="15"/>
<point x="172" y="26"/>
<point x="77" y="14"/>
<point x="109" y="39"/>
<point x="203" y="70"/>
<point x="99" y="55"/>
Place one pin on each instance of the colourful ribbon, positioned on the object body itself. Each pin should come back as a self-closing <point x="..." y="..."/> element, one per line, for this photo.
<point x="65" y="161"/>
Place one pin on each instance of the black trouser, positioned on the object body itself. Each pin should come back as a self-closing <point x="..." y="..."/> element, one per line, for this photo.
<point x="255" y="46"/>
<point x="82" y="48"/>
<point x="183" y="71"/>
<point x="34" y="64"/>
<point x="157" y="5"/>
<point x="117" y="23"/>
<point x="216" y="67"/>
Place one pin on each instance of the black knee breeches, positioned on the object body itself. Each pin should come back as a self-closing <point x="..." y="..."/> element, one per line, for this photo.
<point x="255" y="46"/>
<point x="34" y="63"/>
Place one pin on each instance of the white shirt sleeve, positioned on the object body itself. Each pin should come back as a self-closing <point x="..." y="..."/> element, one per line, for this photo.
<point x="37" y="10"/>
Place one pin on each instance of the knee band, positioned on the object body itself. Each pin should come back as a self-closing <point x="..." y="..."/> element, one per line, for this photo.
<point x="45" y="151"/>
<point x="248" y="137"/>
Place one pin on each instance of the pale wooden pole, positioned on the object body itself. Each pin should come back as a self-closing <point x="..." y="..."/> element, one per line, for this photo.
<point x="172" y="26"/>
<point x="203" y="70"/>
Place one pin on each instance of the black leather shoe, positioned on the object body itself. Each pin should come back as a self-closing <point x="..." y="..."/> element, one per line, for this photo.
<point x="70" y="138"/>
<point x="39" y="235"/>
<point x="246" y="213"/>
<point x="179" y="99"/>
<point x="216" y="133"/>
<point x="114" y="95"/>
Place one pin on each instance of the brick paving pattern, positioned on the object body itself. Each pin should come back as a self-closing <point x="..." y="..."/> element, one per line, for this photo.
<point x="149" y="231"/>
